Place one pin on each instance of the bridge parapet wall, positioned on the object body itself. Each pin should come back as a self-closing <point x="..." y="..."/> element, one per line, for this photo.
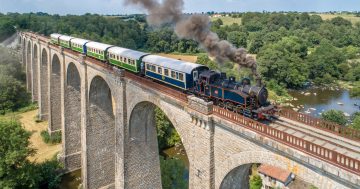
<point x="295" y="150"/>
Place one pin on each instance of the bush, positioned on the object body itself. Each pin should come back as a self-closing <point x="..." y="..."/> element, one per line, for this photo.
<point x="335" y="116"/>
<point x="54" y="139"/>
<point x="255" y="182"/>
<point x="355" y="92"/>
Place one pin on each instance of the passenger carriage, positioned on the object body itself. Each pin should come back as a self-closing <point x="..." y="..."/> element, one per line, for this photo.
<point x="79" y="45"/>
<point x="97" y="50"/>
<point x="173" y="72"/>
<point x="55" y="38"/>
<point x="126" y="58"/>
<point x="65" y="41"/>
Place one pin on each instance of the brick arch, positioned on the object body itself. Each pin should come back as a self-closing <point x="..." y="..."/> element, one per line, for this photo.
<point x="142" y="150"/>
<point x="100" y="136"/>
<point x="44" y="80"/>
<point x="72" y="127"/>
<point x="55" y="94"/>
<point x="28" y="65"/>
<point x="265" y="157"/>
<point x="35" y="71"/>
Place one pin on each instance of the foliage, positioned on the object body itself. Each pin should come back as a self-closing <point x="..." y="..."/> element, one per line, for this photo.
<point x="278" y="89"/>
<point x="355" y="92"/>
<point x="355" y="121"/>
<point x="54" y="138"/>
<point x="173" y="174"/>
<point x="13" y="94"/>
<point x="255" y="182"/>
<point x="335" y="116"/>
<point x="313" y="187"/>
<point x="205" y="60"/>
<point x="16" y="171"/>
<point x="166" y="133"/>
<point x="283" y="62"/>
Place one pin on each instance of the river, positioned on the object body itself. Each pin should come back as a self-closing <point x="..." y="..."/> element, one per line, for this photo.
<point x="314" y="101"/>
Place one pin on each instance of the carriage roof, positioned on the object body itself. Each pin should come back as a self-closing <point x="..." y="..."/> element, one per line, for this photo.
<point x="178" y="65"/>
<point x="127" y="52"/>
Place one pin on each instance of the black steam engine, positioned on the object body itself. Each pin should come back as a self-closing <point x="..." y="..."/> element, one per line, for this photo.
<point x="239" y="97"/>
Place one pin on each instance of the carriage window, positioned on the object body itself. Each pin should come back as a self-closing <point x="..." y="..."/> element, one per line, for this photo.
<point x="133" y="62"/>
<point x="125" y="60"/>
<point x="159" y="70"/>
<point x="166" y="72"/>
<point x="153" y="68"/>
<point x="147" y="66"/>
<point x="173" y="74"/>
<point x="177" y="75"/>
<point x="181" y="76"/>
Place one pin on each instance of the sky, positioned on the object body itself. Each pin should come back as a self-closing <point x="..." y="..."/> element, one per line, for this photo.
<point x="63" y="7"/>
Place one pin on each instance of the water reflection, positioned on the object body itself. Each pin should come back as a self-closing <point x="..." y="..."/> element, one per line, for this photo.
<point x="315" y="101"/>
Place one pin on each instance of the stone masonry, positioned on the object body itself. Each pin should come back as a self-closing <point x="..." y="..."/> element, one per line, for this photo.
<point x="108" y="129"/>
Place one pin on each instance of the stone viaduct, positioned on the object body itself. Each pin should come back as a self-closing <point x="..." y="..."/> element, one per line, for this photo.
<point x="106" y="116"/>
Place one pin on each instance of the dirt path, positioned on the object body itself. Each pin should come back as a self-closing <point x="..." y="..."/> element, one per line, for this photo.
<point x="44" y="151"/>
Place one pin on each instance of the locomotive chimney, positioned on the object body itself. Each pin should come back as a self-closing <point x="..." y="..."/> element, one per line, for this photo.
<point x="232" y="78"/>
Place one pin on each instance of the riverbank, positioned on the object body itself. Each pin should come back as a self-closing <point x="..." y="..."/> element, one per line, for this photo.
<point x="28" y="120"/>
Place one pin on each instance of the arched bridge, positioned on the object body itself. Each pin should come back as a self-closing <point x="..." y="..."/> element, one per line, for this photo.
<point x="106" y="116"/>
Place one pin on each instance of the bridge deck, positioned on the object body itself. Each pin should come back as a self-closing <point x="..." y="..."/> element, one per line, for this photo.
<point x="319" y="137"/>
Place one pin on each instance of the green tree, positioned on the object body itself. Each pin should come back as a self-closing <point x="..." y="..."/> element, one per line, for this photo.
<point x="283" y="62"/>
<point x="355" y="92"/>
<point x="173" y="174"/>
<point x="335" y="116"/>
<point x="205" y="60"/>
<point x="13" y="94"/>
<point x="166" y="133"/>
<point x="237" y="38"/>
<point x="255" y="182"/>
<point x="15" y="169"/>
<point x="325" y="60"/>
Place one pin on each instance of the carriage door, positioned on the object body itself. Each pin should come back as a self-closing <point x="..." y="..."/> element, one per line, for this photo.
<point x="195" y="78"/>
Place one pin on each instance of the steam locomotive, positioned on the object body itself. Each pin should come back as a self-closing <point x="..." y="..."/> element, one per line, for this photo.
<point x="240" y="97"/>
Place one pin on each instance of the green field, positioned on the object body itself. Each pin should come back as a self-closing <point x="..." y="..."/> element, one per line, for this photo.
<point x="227" y="20"/>
<point x="352" y="18"/>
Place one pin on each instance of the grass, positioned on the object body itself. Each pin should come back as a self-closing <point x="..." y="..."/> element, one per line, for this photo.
<point x="55" y="138"/>
<point x="352" y="18"/>
<point x="227" y="20"/>
<point x="27" y="117"/>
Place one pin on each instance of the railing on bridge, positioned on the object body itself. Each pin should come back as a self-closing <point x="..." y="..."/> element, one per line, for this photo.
<point x="320" y="124"/>
<point x="328" y="155"/>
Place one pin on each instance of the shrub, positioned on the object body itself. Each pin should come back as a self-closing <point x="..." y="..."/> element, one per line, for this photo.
<point x="335" y="116"/>
<point x="53" y="139"/>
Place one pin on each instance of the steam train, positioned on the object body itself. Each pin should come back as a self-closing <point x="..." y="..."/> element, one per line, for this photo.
<point x="240" y="97"/>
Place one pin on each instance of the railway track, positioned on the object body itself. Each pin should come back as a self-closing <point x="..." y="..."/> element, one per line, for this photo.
<point x="320" y="137"/>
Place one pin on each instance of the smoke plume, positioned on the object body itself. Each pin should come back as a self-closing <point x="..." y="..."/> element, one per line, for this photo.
<point x="197" y="28"/>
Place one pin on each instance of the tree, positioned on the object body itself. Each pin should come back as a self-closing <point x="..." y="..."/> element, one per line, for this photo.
<point x="356" y="123"/>
<point x="335" y="116"/>
<point x="325" y="60"/>
<point x="237" y="38"/>
<point x="205" y="60"/>
<point x="15" y="169"/>
<point x="173" y="174"/>
<point x="13" y="94"/>
<point x="283" y="62"/>
<point x="255" y="182"/>
<point x="166" y="133"/>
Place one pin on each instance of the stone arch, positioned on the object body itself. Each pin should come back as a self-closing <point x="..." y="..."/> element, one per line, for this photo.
<point x="44" y="84"/>
<point x="100" y="135"/>
<point x="55" y="94"/>
<point x="142" y="150"/>
<point x="28" y="67"/>
<point x="72" y="129"/>
<point x="35" y="73"/>
<point x="238" y="162"/>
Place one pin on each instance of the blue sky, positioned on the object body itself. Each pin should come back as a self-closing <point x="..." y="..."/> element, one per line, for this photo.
<point x="117" y="6"/>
